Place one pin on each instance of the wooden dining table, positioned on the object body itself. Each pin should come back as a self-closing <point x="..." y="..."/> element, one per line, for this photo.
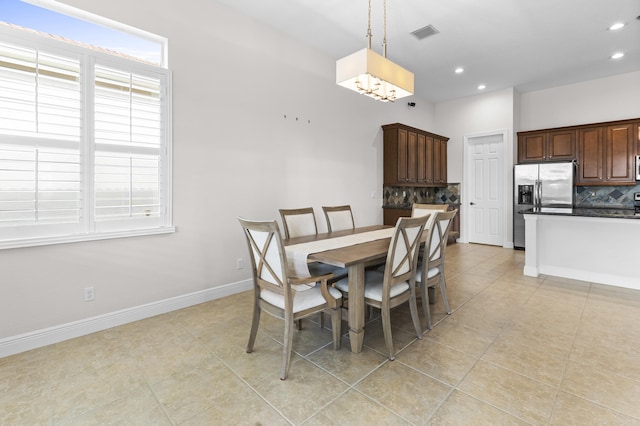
<point x="355" y="258"/>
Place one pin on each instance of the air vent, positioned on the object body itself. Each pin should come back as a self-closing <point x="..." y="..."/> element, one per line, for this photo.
<point x="425" y="32"/>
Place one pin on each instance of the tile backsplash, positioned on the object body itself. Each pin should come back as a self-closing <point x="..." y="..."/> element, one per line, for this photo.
<point x="606" y="196"/>
<point x="397" y="196"/>
<point x="586" y="196"/>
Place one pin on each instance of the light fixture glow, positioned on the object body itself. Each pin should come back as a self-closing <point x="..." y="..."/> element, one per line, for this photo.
<point x="482" y="87"/>
<point x="617" y="26"/>
<point x="459" y="70"/>
<point x="617" y="55"/>
<point x="372" y="74"/>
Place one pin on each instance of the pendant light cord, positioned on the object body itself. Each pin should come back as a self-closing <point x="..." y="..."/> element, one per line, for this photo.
<point x="384" y="36"/>
<point x="369" y="35"/>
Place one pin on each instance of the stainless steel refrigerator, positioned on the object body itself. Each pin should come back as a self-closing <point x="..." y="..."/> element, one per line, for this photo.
<point x="540" y="185"/>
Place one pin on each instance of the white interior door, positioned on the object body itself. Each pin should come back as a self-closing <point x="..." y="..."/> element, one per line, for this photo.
<point x="485" y="190"/>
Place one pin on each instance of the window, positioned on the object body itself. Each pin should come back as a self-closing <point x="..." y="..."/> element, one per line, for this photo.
<point x="85" y="146"/>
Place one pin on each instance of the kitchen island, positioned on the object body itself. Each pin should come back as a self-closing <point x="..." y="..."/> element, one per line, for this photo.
<point x="588" y="244"/>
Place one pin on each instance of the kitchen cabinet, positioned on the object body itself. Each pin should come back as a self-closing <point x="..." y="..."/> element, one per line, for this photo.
<point x="391" y="215"/>
<point x="414" y="157"/>
<point x="606" y="154"/>
<point x="549" y="145"/>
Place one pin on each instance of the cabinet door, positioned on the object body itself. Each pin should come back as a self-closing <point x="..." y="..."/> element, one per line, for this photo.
<point x="620" y="154"/>
<point x="440" y="161"/>
<point x="421" y="150"/>
<point x="390" y="216"/>
<point x="425" y="160"/>
<point x="403" y="156"/>
<point x="531" y="147"/>
<point x="454" y="232"/>
<point x="443" y="163"/>
<point x="412" y="157"/>
<point x="436" y="160"/>
<point x="561" y="145"/>
<point x="590" y="156"/>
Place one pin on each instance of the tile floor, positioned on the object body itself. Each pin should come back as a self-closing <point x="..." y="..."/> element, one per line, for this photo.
<point x="516" y="350"/>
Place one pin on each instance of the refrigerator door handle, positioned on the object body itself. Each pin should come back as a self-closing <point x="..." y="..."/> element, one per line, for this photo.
<point x="539" y="193"/>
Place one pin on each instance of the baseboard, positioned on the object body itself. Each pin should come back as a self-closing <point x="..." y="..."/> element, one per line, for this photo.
<point x="590" y="276"/>
<point x="35" y="339"/>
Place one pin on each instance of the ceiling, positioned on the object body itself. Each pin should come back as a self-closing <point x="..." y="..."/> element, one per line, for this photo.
<point x="526" y="44"/>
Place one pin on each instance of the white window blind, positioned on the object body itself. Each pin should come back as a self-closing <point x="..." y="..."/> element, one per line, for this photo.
<point x="40" y="167"/>
<point x="128" y="111"/>
<point x="84" y="144"/>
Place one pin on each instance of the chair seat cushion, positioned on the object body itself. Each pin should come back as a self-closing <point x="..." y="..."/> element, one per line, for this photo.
<point x="303" y="299"/>
<point x="318" y="268"/>
<point x="373" y="286"/>
<point x="430" y="274"/>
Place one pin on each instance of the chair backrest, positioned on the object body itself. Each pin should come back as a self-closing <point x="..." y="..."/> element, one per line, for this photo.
<point x="298" y="222"/>
<point x="438" y="237"/>
<point x="425" y="209"/>
<point x="339" y="218"/>
<point x="403" y="252"/>
<point x="268" y="258"/>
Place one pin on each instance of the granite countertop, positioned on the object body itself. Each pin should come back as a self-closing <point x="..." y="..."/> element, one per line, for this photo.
<point x="619" y="213"/>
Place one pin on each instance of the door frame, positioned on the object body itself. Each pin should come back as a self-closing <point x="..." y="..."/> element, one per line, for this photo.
<point x="507" y="183"/>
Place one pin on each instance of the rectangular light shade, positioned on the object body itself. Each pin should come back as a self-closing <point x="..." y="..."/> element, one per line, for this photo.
<point x="370" y="73"/>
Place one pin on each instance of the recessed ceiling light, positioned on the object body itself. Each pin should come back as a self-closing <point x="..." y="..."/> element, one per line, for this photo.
<point x="482" y="87"/>
<point x="617" y="55"/>
<point x="459" y="70"/>
<point x="616" y="26"/>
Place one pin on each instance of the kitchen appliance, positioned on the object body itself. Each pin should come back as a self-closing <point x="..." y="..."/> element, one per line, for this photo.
<point x="636" y="203"/>
<point x="637" y="167"/>
<point x="540" y="185"/>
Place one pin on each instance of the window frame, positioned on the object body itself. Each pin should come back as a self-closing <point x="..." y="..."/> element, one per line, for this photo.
<point x="88" y="231"/>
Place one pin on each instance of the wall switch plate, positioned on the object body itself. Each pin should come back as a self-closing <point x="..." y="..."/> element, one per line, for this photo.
<point x="239" y="263"/>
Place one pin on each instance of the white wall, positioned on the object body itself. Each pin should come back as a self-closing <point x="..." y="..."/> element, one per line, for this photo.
<point x="477" y="114"/>
<point x="235" y="154"/>
<point x="490" y="112"/>
<point x="605" y="99"/>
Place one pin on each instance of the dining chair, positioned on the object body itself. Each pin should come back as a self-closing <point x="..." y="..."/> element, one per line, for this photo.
<point x="396" y="285"/>
<point x="281" y="295"/>
<point x="300" y="223"/>
<point x="431" y="269"/>
<point x="419" y="209"/>
<point x="339" y="218"/>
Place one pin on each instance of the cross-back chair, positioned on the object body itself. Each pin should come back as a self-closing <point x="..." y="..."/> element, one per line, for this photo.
<point x="431" y="271"/>
<point x="283" y="296"/>
<point x="396" y="285"/>
<point x="301" y="223"/>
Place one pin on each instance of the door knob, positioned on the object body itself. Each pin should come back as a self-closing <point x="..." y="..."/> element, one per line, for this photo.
<point x="472" y="203"/>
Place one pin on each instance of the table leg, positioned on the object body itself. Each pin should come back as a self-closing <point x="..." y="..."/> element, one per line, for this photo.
<point x="356" y="307"/>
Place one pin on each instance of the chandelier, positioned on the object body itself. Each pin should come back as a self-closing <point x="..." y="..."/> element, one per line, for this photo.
<point x="372" y="74"/>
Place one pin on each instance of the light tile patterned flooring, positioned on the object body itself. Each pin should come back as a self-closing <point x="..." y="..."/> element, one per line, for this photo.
<point x="516" y="350"/>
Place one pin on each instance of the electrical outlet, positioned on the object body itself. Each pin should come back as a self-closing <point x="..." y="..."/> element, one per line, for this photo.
<point x="89" y="294"/>
<point x="239" y="263"/>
